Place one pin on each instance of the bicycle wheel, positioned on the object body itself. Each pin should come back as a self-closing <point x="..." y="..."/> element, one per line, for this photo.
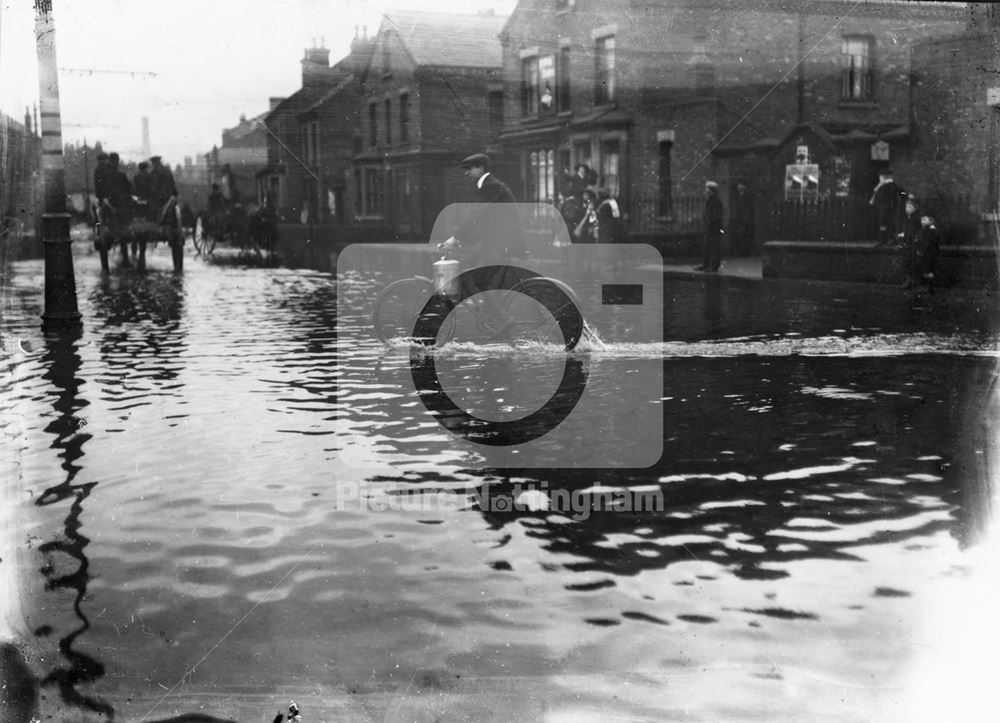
<point x="398" y="307"/>
<point x="545" y="311"/>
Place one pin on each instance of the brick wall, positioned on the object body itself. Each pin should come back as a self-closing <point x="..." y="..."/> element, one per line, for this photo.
<point x="957" y="129"/>
<point x="718" y="72"/>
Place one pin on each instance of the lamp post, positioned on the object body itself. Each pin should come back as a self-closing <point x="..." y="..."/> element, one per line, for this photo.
<point x="60" y="283"/>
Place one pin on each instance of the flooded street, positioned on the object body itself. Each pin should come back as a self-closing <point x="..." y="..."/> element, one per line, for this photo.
<point x="190" y="538"/>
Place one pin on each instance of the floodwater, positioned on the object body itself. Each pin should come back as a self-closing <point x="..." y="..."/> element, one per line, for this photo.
<point x="188" y="538"/>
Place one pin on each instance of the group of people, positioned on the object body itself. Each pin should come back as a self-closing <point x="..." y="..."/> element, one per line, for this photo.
<point x="148" y="195"/>
<point x="901" y="221"/>
<point x="592" y="214"/>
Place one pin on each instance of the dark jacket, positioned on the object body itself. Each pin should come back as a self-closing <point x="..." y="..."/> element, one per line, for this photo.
<point x="103" y="180"/>
<point x="925" y="249"/>
<point x="713" y="215"/>
<point x="162" y="185"/>
<point x="495" y="226"/>
<point x="890" y="204"/>
<point x="143" y="183"/>
<point x="610" y="227"/>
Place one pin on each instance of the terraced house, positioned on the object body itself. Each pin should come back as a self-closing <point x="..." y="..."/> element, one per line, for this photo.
<point x="433" y="94"/>
<point x="659" y="97"/>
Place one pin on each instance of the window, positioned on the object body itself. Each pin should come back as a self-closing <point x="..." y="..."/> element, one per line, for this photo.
<point x="388" y="122"/>
<point x="372" y="125"/>
<point x="562" y="81"/>
<point x="541" y="175"/>
<point x="404" y="117"/>
<point x="494" y="104"/>
<point x="546" y="83"/>
<point x="857" y="68"/>
<point x="371" y="192"/>
<point x="529" y="86"/>
<point x="610" y="162"/>
<point x="538" y="85"/>
<point x="665" y="196"/>
<point x="310" y="143"/>
<point x="604" y="59"/>
<point x="386" y="57"/>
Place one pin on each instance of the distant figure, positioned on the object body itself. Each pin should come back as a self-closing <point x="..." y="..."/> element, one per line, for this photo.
<point x="712" y="217"/>
<point x="908" y="243"/>
<point x="117" y="204"/>
<point x="610" y="221"/>
<point x="164" y="190"/>
<point x="741" y="221"/>
<point x="585" y="231"/>
<point x="143" y="183"/>
<point x="888" y="199"/>
<point x="229" y="190"/>
<point x="925" y="252"/>
<point x="577" y="182"/>
<point x="216" y="201"/>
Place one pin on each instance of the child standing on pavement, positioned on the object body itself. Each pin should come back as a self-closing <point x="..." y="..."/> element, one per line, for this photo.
<point x="925" y="252"/>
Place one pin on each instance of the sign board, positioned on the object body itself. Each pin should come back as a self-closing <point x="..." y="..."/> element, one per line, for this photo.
<point x="880" y="151"/>
<point x="993" y="97"/>
<point x="801" y="181"/>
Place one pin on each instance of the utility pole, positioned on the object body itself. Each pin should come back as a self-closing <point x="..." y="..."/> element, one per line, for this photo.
<point x="60" y="283"/>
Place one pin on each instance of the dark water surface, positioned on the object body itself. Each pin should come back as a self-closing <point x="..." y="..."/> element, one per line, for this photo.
<point x="189" y="538"/>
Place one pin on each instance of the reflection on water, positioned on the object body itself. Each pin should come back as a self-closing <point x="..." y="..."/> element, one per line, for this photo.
<point x="204" y="548"/>
<point x="63" y="365"/>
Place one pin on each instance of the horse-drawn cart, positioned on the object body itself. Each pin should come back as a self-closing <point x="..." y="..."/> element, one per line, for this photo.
<point x="138" y="232"/>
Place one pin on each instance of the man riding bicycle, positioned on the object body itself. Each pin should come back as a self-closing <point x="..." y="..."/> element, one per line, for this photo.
<point x="493" y="234"/>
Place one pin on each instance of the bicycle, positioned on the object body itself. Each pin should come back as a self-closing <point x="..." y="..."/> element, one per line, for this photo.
<point x="533" y="308"/>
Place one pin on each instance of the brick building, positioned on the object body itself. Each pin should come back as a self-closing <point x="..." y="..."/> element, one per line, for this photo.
<point x="433" y="93"/>
<point x="20" y="176"/>
<point x="954" y="162"/>
<point x="242" y="155"/>
<point x="660" y="97"/>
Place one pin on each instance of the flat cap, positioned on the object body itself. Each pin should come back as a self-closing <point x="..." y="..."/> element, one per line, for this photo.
<point x="711" y="184"/>
<point x="476" y="159"/>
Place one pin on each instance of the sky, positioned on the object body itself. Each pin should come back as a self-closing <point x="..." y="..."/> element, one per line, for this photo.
<point x="212" y="60"/>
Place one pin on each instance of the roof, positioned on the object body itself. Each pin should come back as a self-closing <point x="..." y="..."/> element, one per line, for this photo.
<point x="327" y="95"/>
<point x="297" y="101"/>
<point x="469" y="41"/>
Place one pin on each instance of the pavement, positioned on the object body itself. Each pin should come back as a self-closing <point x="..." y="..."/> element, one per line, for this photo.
<point x="742" y="268"/>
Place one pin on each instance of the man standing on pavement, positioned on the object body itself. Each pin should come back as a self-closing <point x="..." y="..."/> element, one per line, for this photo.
<point x="889" y="200"/>
<point x="741" y="221"/>
<point x="712" y="217"/>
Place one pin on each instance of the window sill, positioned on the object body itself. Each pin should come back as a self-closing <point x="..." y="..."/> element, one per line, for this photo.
<point x="564" y="113"/>
<point x="858" y="104"/>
